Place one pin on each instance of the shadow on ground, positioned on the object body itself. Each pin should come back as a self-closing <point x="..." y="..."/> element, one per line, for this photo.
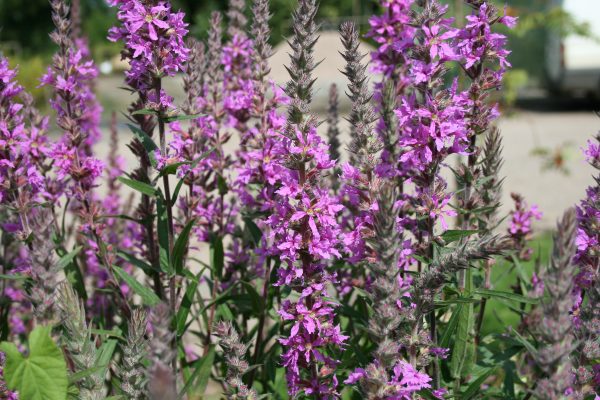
<point x="546" y="103"/>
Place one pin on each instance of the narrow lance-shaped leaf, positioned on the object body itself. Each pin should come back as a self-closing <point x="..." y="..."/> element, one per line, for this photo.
<point x="148" y="296"/>
<point x="180" y="247"/>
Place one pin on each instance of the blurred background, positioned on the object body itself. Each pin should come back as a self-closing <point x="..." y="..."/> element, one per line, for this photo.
<point x="548" y="97"/>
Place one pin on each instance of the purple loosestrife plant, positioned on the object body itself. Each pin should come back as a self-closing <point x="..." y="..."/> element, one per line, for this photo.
<point x="555" y="330"/>
<point x="586" y="291"/>
<point x="71" y="77"/>
<point x="153" y="36"/>
<point x="321" y="279"/>
<point x="23" y="192"/>
<point x="305" y="229"/>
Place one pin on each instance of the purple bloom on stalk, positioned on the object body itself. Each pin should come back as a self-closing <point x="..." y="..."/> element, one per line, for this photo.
<point x="404" y="383"/>
<point x="393" y="34"/>
<point x="154" y="45"/>
<point x="431" y="131"/>
<point x="476" y="41"/>
<point x="522" y="218"/>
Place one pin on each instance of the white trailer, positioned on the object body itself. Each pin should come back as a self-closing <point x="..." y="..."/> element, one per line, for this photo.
<point x="573" y="63"/>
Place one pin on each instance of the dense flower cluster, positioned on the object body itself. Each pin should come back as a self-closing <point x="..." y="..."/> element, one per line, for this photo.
<point x="305" y="234"/>
<point x="154" y="44"/>
<point x="394" y="34"/>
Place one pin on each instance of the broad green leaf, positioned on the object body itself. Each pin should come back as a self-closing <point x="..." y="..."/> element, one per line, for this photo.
<point x="280" y="384"/>
<point x="225" y="313"/>
<point x="40" y="376"/>
<point x="198" y="381"/>
<point x="141" y="187"/>
<point x="180" y="246"/>
<point x="148" y="296"/>
<point x="506" y="295"/>
<point x="454" y="235"/>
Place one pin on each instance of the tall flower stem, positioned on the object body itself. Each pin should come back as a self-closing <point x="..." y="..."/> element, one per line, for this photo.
<point x="261" y="322"/>
<point x="169" y="207"/>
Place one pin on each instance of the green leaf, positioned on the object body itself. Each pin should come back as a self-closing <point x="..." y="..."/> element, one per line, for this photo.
<point x="253" y="229"/>
<point x="144" y="266"/>
<point x="426" y="394"/>
<point x="171" y="169"/>
<point x="105" y="355"/>
<point x="222" y="185"/>
<point x="475" y="386"/>
<point x="42" y="375"/>
<point x="530" y="348"/>
<point x="255" y="298"/>
<point x="144" y="111"/>
<point x="460" y="351"/>
<point x="199" y="378"/>
<point x="506" y="295"/>
<point x="280" y="384"/>
<point x="148" y="296"/>
<point x="87" y="373"/>
<point x="68" y="258"/>
<point x="141" y="187"/>
<point x="14" y="277"/>
<point x="164" y="253"/>
<point x="182" y="180"/>
<point x="451" y="327"/>
<point x="184" y="308"/>
<point x="68" y="262"/>
<point x="217" y="257"/>
<point x="182" y="117"/>
<point x="146" y="141"/>
<point x="454" y="235"/>
<point x="180" y="247"/>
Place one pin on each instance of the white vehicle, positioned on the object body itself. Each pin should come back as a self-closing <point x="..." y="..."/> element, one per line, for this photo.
<point x="573" y="63"/>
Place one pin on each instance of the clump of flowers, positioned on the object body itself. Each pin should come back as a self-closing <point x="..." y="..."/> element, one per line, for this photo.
<point x="520" y="228"/>
<point x="247" y="250"/>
